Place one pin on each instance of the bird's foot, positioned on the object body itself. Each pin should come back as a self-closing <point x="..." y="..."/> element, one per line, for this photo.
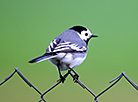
<point x="76" y="76"/>
<point x="62" y="79"/>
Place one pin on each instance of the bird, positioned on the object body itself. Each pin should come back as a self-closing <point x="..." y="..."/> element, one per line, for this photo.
<point x="68" y="50"/>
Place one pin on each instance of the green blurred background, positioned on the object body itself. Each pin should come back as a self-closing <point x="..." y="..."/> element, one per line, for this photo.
<point x="27" y="28"/>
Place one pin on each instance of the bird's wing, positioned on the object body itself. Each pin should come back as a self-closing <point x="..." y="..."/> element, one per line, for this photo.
<point x="65" y="46"/>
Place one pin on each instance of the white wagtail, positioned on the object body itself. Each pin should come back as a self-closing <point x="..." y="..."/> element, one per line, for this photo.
<point x="68" y="50"/>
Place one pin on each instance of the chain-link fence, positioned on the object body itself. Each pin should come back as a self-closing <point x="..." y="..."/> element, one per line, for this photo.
<point x="114" y="81"/>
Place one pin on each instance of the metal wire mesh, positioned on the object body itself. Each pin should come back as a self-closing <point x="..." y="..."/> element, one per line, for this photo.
<point x="114" y="81"/>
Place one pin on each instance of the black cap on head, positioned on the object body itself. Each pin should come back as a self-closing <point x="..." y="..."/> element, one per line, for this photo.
<point x="79" y="28"/>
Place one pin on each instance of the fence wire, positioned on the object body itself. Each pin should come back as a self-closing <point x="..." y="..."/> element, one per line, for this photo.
<point x="76" y="80"/>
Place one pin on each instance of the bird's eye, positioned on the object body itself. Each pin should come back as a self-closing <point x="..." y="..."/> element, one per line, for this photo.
<point x="86" y="34"/>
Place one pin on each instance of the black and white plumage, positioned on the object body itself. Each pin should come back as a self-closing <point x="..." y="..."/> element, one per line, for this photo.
<point x="68" y="50"/>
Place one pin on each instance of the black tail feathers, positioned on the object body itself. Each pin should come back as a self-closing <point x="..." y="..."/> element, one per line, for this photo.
<point x="39" y="59"/>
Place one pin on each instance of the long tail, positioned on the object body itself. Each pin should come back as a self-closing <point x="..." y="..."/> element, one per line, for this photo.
<point x="41" y="58"/>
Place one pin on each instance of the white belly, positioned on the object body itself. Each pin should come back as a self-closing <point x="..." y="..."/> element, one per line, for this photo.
<point x="68" y="60"/>
<point x="76" y="62"/>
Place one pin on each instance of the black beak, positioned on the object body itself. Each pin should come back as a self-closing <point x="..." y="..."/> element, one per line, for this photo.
<point x="94" y="36"/>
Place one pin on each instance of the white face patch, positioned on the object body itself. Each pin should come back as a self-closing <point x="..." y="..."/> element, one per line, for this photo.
<point x="85" y="35"/>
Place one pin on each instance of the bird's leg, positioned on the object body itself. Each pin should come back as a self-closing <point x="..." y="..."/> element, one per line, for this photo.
<point x="60" y="75"/>
<point x="64" y="75"/>
<point x="76" y="75"/>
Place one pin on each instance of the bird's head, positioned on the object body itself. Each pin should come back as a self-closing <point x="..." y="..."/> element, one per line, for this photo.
<point x="84" y="33"/>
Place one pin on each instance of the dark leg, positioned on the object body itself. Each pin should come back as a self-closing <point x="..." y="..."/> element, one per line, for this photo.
<point x="64" y="76"/>
<point x="60" y="75"/>
<point x="76" y="75"/>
